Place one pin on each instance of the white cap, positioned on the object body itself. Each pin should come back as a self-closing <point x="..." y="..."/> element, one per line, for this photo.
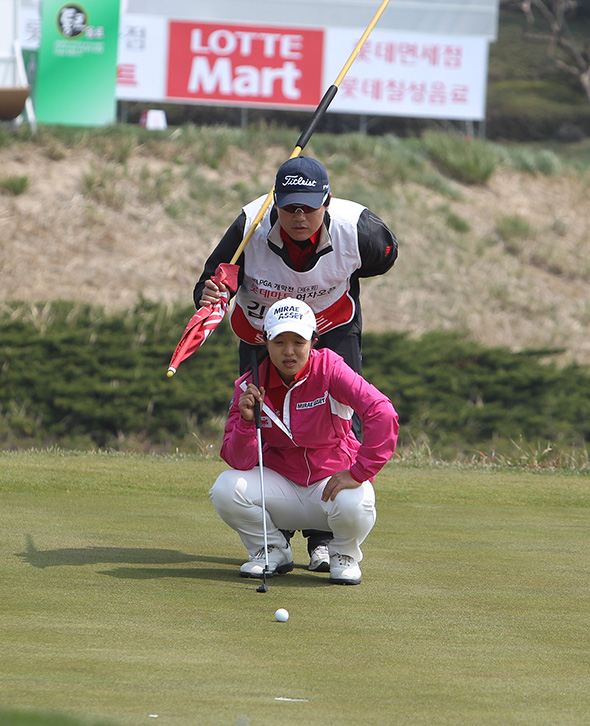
<point x="290" y="316"/>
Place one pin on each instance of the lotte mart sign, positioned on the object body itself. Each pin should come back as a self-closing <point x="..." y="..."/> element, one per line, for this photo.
<point x="396" y="73"/>
<point x="240" y="63"/>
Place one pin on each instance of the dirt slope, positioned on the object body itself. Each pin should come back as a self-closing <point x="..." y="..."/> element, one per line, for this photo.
<point x="115" y="243"/>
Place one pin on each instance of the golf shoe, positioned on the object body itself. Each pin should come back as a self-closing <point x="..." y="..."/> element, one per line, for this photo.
<point x="280" y="561"/>
<point x="344" y="570"/>
<point x="320" y="559"/>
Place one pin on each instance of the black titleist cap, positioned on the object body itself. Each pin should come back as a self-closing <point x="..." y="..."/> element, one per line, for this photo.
<point x="302" y="180"/>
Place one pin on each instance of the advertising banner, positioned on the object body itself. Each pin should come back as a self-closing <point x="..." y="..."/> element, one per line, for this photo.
<point x="142" y="60"/>
<point x="76" y="74"/>
<point x="396" y="73"/>
<point x="30" y="36"/>
<point x="8" y="26"/>
<point x="248" y="65"/>
<point x="412" y="75"/>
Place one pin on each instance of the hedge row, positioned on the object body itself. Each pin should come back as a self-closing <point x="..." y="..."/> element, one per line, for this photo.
<point x="453" y="392"/>
<point x="75" y="375"/>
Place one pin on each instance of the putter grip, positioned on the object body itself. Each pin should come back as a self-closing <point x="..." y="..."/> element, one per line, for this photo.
<point x="257" y="414"/>
<point x="255" y="381"/>
<point x="317" y="116"/>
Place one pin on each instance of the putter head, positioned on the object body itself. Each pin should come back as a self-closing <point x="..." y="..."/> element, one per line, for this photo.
<point x="264" y="586"/>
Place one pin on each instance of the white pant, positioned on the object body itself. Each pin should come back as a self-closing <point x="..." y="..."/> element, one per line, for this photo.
<point x="236" y="495"/>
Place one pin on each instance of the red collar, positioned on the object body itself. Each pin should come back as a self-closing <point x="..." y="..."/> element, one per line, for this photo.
<point x="300" y="252"/>
<point x="276" y="388"/>
<point x="274" y="377"/>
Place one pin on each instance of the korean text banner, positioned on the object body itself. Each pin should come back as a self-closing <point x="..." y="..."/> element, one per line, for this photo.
<point x="411" y="75"/>
<point x="142" y="60"/>
<point x="76" y="75"/>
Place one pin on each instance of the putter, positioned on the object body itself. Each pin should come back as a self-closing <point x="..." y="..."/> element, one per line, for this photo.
<point x="264" y="586"/>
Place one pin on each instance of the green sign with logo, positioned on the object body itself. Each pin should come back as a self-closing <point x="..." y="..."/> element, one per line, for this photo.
<point x="77" y="63"/>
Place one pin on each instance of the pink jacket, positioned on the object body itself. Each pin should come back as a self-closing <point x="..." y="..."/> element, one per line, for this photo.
<point x="312" y="437"/>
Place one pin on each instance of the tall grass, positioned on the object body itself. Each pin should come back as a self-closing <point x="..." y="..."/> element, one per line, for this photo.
<point x="512" y="229"/>
<point x="14" y="185"/>
<point x="471" y="161"/>
<point x="435" y="160"/>
<point x="526" y="455"/>
<point x="101" y="184"/>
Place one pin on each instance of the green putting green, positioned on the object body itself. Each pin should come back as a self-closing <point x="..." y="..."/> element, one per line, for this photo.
<point x="121" y="602"/>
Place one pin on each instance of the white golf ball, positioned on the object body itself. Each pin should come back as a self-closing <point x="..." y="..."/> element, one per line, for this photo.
<point x="282" y="615"/>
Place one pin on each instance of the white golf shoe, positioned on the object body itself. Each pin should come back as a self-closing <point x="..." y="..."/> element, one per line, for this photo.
<point x="344" y="570"/>
<point x="280" y="561"/>
<point x="320" y="559"/>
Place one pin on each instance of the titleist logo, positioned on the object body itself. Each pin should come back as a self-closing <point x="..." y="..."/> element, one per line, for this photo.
<point x="292" y="181"/>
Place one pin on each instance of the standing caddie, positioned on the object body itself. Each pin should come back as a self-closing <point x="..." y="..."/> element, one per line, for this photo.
<point x="311" y="247"/>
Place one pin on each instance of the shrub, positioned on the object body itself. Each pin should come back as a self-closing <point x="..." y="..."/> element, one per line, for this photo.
<point x="14" y="185"/>
<point x="89" y="373"/>
<point x="73" y="375"/>
<point x="453" y="392"/>
<point x="526" y="111"/>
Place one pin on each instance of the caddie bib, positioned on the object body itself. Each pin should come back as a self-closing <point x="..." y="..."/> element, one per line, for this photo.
<point x="325" y="288"/>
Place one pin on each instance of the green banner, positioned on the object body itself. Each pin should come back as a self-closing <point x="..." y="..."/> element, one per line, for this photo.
<point x="77" y="63"/>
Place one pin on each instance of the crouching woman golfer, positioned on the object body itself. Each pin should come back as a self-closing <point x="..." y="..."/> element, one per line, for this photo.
<point x="316" y="474"/>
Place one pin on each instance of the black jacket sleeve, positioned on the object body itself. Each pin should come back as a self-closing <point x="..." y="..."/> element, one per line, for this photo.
<point x="377" y="245"/>
<point x="224" y="252"/>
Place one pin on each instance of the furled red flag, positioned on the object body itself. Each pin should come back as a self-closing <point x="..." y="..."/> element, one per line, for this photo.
<point x="206" y="319"/>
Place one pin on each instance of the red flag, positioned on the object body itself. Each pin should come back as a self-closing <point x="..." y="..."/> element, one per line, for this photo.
<point x="206" y="319"/>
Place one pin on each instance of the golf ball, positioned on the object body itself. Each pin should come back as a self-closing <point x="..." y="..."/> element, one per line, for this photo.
<point x="282" y="615"/>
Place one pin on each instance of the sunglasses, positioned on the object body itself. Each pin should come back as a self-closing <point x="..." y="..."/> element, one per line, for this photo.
<point x="292" y="208"/>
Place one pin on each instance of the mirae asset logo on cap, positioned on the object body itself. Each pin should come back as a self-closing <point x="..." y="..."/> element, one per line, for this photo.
<point x="288" y="311"/>
<point x="293" y="181"/>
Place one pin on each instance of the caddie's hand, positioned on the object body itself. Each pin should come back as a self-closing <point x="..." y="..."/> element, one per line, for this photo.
<point x="338" y="481"/>
<point x="211" y="293"/>
<point x="248" y="399"/>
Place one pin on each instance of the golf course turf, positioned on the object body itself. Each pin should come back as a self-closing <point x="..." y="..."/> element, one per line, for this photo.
<point x="121" y="602"/>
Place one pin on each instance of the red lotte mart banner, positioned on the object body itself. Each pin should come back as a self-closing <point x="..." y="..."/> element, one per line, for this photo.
<point x="244" y="64"/>
<point x="396" y="73"/>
